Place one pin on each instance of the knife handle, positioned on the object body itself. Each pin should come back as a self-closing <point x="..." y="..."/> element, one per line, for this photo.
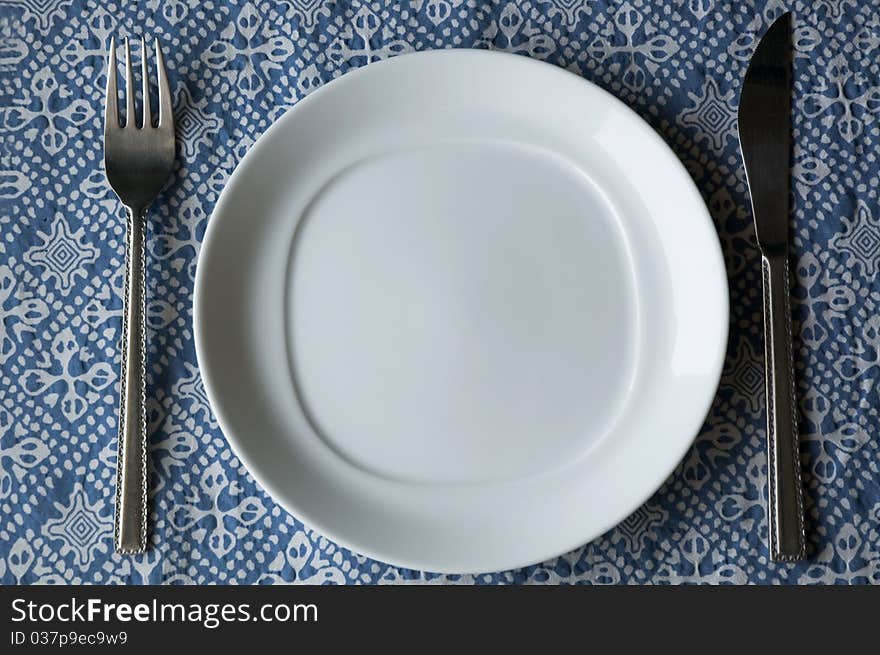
<point x="786" y="520"/>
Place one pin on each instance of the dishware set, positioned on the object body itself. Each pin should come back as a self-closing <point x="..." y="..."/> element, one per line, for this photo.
<point x="447" y="330"/>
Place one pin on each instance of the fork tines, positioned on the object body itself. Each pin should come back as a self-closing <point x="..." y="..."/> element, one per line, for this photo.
<point x="111" y="117"/>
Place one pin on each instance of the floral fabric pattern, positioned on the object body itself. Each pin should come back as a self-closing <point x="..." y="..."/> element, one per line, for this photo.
<point x="235" y="67"/>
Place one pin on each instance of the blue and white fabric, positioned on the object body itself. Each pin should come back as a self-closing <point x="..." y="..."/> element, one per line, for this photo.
<point x="235" y="67"/>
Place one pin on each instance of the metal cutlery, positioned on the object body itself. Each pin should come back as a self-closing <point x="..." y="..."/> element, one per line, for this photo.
<point x="765" y="138"/>
<point x="137" y="161"/>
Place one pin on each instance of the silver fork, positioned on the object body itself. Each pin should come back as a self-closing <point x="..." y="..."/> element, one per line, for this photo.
<point x="137" y="161"/>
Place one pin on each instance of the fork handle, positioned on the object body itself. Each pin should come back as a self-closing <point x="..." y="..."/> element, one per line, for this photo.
<point x="131" y="478"/>
<point x="786" y="516"/>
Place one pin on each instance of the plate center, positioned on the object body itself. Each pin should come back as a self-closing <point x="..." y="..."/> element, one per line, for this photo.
<point x="461" y="313"/>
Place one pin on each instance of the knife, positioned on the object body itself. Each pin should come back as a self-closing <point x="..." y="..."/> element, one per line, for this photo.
<point x="765" y="139"/>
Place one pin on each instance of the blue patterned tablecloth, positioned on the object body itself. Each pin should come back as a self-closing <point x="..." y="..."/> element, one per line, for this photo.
<point x="235" y="67"/>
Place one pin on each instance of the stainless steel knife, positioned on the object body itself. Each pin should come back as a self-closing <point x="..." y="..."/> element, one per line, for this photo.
<point x="765" y="139"/>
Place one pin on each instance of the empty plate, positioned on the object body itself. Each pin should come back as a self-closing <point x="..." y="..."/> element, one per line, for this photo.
<point x="460" y="311"/>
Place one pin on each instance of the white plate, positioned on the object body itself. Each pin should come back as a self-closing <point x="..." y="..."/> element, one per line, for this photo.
<point x="460" y="311"/>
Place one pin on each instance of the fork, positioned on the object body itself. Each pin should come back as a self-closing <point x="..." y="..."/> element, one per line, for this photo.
<point x="137" y="161"/>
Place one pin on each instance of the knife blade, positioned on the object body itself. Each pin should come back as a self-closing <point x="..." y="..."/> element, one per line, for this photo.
<point x="765" y="140"/>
